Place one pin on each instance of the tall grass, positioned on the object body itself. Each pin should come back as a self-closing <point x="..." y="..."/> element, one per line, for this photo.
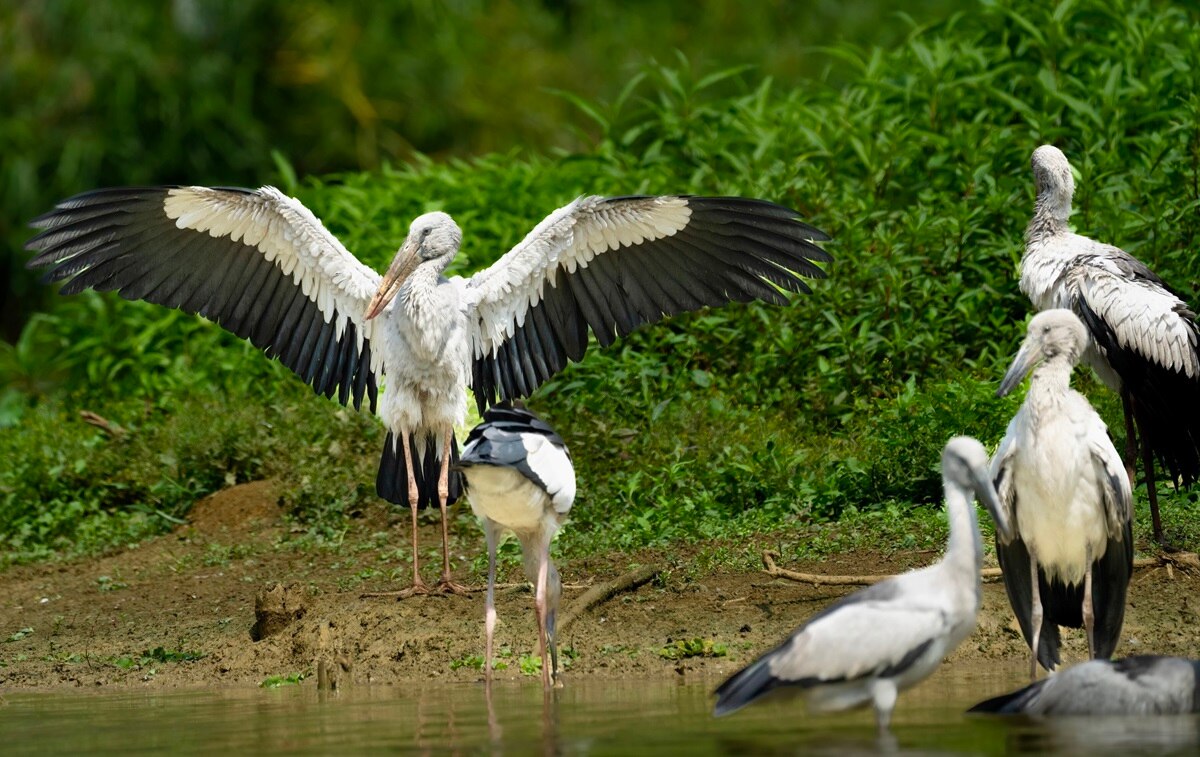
<point x="748" y="418"/>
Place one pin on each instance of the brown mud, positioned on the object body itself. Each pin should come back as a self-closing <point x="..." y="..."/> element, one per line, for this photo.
<point x="129" y="619"/>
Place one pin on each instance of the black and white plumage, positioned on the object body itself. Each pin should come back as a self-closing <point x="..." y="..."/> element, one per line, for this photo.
<point x="1145" y="342"/>
<point x="519" y="478"/>
<point x="262" y="265"/>
<point x="1061" y="482"/>
<point x="870" y="645"/>
<point x="1142" y="685"/>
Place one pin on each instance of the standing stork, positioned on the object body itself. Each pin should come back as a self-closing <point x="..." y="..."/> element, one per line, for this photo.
<point x="263" y="266"/>
<point x="1061" y="482"/>
<point x="519" y="478"/>
<point x="1145" y="342"/>
<point x="869" y="646"/>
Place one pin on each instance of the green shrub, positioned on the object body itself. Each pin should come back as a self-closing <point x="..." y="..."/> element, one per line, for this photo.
<point x="743" y="419"/>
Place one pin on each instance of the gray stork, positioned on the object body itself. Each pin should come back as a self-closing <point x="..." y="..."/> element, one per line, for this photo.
<point x="1143" y="685"/>
<point x="519" y="478"/>
<point x="1145" y="342"/>
<point x="869" y="646"/>
<point x="1061" y="483"/>
<point x="263" y="266"/>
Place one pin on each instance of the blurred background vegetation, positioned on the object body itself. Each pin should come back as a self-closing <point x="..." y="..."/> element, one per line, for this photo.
<point x="905" y="136"/>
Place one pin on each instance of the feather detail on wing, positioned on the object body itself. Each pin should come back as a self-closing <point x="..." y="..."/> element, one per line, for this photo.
<point x="1143" y="315"/>
<point x="256" y="262"/>
<point x="1112" y="479"/>
<point x="820" y="652"/>
<point x="610" y="265"/>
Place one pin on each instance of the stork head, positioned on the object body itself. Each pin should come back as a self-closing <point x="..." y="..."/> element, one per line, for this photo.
<point x="433" y="238"/>
<point x="965" y="466"/>
<point x="1051" y="334"/>
<point x="1055" y="184"/>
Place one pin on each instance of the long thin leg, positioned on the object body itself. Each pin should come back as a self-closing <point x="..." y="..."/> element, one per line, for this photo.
<point x="446" y="584"/>
<point x="883" y="695"/>
<point x="492" y="533"/>
<point x="1035" y="619"/>
<point x="1089" y="615"/>
<point x="540" y="605"/>
<point x="1131" y="448"/>
<point x="1152" y="495"/>
<point x="1131" y="439"/>
<point x="418" y="586"/>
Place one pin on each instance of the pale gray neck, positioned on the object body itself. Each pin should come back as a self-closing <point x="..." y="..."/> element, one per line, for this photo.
<point x="965" y="548"/>
<point x="1050" y="214"/>
<point x="418" y="291"/>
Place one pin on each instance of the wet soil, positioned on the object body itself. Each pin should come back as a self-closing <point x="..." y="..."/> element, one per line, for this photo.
<point x="137" y="617"/>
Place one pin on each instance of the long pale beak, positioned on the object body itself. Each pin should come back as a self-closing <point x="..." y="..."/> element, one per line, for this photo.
<point x="1022" y="364"/>
<point x="402" y="266"/>
<point x="986" y="491"/>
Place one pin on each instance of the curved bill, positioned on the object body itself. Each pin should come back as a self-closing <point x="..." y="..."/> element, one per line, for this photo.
<point x="986" y="492"/>
<point x="402" y="266"/>
<point x="1022" y="364"/>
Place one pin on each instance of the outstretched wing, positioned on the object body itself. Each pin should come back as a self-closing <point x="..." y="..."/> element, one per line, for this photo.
<point x="612" y="264"/>
<point x="255" y="261"/>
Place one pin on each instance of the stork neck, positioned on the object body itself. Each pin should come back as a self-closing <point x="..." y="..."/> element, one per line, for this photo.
<point x="418" y="290"/>
<point x="1050" y="214"/>
<point x="1052" y="378"/>
<point x="965" y="548"/>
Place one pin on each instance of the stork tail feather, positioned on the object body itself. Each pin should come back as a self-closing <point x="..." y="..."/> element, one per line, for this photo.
<point x="392" y="482"/>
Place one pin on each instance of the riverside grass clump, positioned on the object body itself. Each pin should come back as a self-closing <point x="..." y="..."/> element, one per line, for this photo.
<point x="741" y="420"/>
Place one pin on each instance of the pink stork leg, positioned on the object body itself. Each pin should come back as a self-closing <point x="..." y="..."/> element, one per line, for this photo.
<point x="446" y="585"/>
<point x="539" y="603"/>
<point x="419" y="586"/>
<point x="492" y="532"/>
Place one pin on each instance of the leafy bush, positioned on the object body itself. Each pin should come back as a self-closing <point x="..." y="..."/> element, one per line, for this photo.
<point x="743" y="419"/>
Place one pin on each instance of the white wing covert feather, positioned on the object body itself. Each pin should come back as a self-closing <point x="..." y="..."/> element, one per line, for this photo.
<point x="821" y="650"/>
<point x="609" y="265"/>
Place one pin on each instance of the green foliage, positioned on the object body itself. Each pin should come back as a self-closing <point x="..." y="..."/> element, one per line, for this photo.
<point x="682" y="649"/>
<point x="735" y="421"/>
<point x="274" y="682"/>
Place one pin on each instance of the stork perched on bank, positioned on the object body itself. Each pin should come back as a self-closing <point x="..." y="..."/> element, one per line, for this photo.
<point x="519" y="478"/>
<point x="874" y="643"/>
<point x="263" y="266"/>
<point x="1142" y="685"/>
<point x="1145" y="342"/>
<point x="1061" y="483"/>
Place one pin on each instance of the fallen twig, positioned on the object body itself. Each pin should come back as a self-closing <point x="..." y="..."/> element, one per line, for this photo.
<point x="1178" y="559"/>
<point x="604" y="592"/>
<point x="112" y="429"/>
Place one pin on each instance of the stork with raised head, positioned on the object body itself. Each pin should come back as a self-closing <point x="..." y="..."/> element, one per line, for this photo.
<point x="1061" y="483"/>
<point x="1142" y="685"/>
<point x="871" y="645"/>
<point x="519" y="478"/>
<point x="263" y="266"/>
<point x="1144" y="341"/>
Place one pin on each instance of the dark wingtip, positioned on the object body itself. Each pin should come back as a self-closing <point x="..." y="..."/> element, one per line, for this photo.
<point x="744" y="686"/>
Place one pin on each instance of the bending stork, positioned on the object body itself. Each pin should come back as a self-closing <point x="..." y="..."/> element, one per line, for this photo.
<point x="867" y="647"/>
<point x="1142" y="685"/>
<point x="263" y="266"/>
<point x="1061" y="483"/>
<point x="519" y="478"/>
<point x="1145" y="342"/>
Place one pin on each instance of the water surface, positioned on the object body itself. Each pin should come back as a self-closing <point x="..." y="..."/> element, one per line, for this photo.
<point x="585" y="718"/>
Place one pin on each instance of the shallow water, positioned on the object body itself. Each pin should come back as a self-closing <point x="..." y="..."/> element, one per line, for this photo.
<point x="585" y="718"/>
